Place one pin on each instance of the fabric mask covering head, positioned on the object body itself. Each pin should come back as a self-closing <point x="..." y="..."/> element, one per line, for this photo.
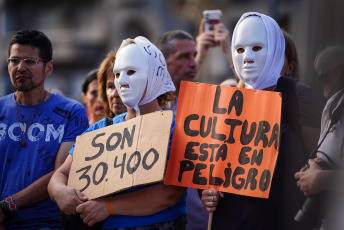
<point x="258" y="50"/>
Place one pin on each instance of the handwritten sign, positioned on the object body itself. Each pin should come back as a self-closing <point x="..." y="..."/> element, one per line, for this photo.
<point x="121" y="156"/>
<point x="225" y="138"/>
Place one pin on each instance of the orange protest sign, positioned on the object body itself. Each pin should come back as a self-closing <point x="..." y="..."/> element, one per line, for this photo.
<point x="225" y="138"/>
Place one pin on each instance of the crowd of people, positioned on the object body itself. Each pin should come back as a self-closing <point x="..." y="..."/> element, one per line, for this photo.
<point x="38" y="130"/>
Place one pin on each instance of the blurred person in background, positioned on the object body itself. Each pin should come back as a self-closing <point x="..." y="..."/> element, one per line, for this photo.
<point x="184" y="56"/>
<point x="218" y="38"/>
<point x="291" y="63"/>
<point x="107" y="91"/>
<point x="324" y="174"/>
<point x="179" y="50"/>
<point x="92" y="102"/>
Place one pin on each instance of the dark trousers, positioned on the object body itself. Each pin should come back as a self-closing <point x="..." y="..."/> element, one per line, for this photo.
<point x="74" y="222"/>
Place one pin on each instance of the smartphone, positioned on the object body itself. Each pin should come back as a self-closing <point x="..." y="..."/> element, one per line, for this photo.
<point x="211" y="18"/>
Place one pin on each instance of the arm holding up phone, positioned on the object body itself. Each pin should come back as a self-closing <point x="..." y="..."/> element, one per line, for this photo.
<point x="220" y="37"/>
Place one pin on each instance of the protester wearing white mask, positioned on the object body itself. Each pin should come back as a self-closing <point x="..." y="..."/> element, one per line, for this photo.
<point x="141" y="74"/>
<point x="258" y="56"/>
<point x="131" y="75"/>
<point x="249" y="57"/>
<point x="145" y="86"/>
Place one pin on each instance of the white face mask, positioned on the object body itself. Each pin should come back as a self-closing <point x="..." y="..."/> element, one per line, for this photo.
<point x="131" y="71"/>
<point x="250" y="49"/>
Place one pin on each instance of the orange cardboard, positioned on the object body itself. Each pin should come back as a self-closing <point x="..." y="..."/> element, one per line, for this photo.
<point x="225" y="138"/>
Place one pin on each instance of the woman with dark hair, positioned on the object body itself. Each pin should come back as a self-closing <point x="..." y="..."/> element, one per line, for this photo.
<point x="291" y="63"/>
<point x="94" y="107"/>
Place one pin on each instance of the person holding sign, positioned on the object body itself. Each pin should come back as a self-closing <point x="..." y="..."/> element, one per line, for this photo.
<point x="145" y="86"/>
<point x="113" y="106"/>
<point x="258" y="50"/>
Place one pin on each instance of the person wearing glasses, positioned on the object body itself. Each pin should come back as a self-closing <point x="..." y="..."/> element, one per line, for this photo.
<point x="37" y="129"/>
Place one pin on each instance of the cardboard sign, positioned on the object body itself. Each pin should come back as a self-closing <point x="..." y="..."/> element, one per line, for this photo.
<point x="121" y="156"/>
<point x="225" y="138"/>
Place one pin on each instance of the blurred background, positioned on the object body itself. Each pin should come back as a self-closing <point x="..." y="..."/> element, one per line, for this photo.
<point x="84" y="31"/>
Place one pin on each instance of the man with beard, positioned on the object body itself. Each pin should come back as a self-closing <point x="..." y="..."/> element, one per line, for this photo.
<point x="184" y="56"/>
<point x="37" y="129"/>
<point x="179" y="50"/>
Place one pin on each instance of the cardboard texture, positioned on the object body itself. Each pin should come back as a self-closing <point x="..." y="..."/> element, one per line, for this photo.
<point x="225" y="138"/>
<point x="121" y="156"/>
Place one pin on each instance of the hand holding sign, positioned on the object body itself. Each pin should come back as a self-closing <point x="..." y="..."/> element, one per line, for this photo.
<point x="210" y="198"/>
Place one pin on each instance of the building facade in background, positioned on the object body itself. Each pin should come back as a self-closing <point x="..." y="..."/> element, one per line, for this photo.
<point x="83" y="31"/>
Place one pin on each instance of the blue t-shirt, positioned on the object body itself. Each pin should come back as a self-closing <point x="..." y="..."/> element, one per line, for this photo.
<point x="121" y="221"/>
<point x="56" y="120"/>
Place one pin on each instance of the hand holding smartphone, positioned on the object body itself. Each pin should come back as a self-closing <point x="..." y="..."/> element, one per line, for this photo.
<point x="211" y="18"/>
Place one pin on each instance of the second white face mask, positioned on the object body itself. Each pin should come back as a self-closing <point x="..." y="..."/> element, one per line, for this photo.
<point x="250" y="49"/>
<point x="130" y="71"/>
